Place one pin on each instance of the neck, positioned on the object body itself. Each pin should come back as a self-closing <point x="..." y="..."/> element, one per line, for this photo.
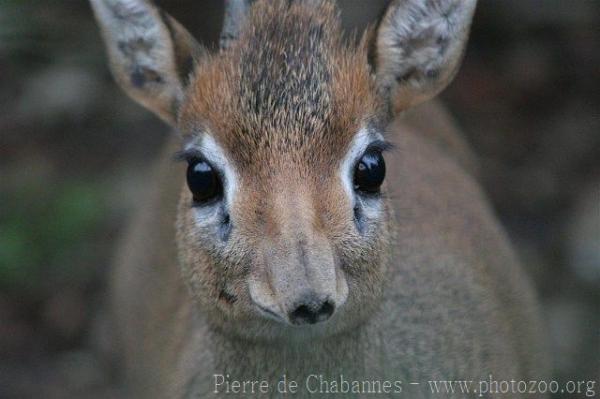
<point x="342" y="354"/>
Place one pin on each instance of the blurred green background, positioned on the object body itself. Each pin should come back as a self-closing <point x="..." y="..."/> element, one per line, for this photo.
<point x="74" y="153"/>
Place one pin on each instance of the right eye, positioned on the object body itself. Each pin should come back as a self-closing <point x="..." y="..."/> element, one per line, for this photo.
<point x="203" y="181"/>
<point x="369" y="173"/>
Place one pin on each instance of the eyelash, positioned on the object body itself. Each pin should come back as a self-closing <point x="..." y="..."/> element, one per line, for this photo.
<point x="379" y="145"/>
<point x="187" y="156"/>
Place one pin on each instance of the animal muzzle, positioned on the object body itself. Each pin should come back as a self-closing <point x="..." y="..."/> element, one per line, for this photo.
<point x="299" y="282"/>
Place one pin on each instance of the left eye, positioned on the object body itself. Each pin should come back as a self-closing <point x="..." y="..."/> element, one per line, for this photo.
<point x="369" y="173"/>
<point x="203" y="181"/>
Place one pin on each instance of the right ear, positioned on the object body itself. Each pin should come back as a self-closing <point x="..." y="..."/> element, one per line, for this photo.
<point x="418" y="48"/>
<point x="151" y="55"/>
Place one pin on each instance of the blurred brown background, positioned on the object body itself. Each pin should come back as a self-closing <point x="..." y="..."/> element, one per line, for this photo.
<point x="74" y="152"/>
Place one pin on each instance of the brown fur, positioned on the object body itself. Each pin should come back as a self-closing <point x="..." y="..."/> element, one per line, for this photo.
<point x="289" y="85"/>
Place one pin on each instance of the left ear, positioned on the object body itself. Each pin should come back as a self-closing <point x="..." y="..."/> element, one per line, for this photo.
<point x="151" y="55"/>
<point x="419" y="46"/>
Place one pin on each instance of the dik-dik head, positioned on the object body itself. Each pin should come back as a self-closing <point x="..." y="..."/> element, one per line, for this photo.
<point x="283" y="220"/>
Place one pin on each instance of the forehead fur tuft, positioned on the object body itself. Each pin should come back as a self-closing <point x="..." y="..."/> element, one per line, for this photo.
<point x="289" y="89"/>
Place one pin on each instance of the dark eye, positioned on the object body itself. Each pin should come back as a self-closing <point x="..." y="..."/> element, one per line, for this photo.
<point x="369" y="172"/>
<point x="203" y="181"/>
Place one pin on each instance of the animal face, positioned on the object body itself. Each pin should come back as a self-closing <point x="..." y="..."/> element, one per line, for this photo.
<point x="282" y="225"/>
<point x="283" y="119"/>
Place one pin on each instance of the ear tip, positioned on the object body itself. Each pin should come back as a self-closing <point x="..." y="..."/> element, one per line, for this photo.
<point x="469" y="6"/>
<point x="96" y="5"/>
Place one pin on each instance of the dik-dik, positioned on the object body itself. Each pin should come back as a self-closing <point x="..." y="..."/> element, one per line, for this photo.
<point x="299" y="242"/>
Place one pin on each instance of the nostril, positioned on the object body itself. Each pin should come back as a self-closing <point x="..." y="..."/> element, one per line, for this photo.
<point x="326" y="310"/>
<point x="302" y="314"/>
<point x="312" y="313"/>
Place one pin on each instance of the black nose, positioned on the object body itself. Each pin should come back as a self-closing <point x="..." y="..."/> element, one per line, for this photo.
<point x="312" y="310"/>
